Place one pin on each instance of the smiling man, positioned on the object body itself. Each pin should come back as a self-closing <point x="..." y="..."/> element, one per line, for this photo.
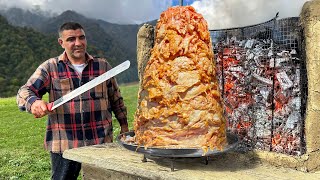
<point x="83" y="121"/>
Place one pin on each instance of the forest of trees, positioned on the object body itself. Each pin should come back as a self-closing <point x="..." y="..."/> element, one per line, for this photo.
<point x="21" y="51"/>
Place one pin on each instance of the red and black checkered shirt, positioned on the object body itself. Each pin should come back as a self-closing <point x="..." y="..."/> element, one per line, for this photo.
<point x="84" y="120"/>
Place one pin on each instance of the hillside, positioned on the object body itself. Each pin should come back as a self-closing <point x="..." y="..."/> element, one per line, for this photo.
<point x="22" y="50"/>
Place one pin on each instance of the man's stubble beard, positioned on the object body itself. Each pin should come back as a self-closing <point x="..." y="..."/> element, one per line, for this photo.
<point x="77" y="55"/>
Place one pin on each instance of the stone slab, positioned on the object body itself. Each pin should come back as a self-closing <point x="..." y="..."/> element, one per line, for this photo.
<point x="114" y="158"/>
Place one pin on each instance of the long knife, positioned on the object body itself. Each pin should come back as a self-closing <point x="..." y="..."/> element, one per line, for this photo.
<point x="87" y="86"/>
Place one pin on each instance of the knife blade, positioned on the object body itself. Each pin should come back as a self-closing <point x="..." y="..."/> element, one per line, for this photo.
<point x="87" y="86"/>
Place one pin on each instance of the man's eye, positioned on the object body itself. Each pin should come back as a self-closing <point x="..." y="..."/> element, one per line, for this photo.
<point x="82" y="37"/>
<point x="70" y="39"/>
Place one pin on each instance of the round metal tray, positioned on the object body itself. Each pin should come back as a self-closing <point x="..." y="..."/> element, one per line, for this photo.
<point x="232" y="142"/>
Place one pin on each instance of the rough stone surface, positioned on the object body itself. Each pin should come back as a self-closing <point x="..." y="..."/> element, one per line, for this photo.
<point x="110" y="161"/>
<point x="97" y="173"/>
<point x="145" y="41"/>
<point x="312" y="131"/>
<point x="310" y="20"/>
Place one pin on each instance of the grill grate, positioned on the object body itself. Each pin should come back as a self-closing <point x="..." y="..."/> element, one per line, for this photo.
<point x="262" y="77"/>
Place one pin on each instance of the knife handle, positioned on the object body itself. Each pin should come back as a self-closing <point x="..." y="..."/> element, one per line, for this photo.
<point x="49" y="106"/>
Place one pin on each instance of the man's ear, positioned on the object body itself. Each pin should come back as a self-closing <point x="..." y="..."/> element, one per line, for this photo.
<point x="60" y="41"/>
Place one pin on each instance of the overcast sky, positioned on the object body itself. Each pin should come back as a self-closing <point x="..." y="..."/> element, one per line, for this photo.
<point x="218" y="13"/>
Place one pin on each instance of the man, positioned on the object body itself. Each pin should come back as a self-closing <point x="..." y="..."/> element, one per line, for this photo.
<point x="86" y="119"/>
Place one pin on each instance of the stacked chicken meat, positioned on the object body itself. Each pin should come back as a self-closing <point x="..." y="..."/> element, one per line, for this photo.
<point x="179" y="102"/>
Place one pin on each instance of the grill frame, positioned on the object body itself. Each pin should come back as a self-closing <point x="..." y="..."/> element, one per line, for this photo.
<point x="232" y="141"/>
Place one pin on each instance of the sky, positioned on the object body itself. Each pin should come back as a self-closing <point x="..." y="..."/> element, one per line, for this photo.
<point x="218" y="13"/>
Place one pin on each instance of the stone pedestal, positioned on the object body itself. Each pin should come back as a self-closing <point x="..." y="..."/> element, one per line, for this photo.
<point x="111" y="161"/>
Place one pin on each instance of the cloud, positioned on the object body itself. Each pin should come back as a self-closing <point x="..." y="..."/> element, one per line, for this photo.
<point x="218" y="13"/>
<point x="115" y="11"/>
<point x="237" y="13"/>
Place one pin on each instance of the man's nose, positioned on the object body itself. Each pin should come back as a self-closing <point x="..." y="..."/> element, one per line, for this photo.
<point x="78" y="41"/>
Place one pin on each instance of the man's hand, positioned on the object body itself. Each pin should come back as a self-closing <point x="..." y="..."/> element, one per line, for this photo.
<point x="124" y="129"/>
<point x="39" y="108"/>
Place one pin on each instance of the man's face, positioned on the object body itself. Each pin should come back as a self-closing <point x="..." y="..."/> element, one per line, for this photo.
<point x="74" y="42"/>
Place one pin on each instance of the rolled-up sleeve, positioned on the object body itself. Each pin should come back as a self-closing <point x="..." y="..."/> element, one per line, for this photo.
<point x="34" y="89"/>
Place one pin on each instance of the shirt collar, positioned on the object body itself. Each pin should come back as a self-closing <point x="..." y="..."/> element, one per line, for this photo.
<point x="63" y="57"/>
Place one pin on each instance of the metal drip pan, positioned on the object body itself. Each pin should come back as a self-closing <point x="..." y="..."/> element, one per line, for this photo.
<point x="232" y="140"/>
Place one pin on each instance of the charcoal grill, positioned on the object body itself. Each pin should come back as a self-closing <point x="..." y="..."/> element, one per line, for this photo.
<point x="174" y="153"/>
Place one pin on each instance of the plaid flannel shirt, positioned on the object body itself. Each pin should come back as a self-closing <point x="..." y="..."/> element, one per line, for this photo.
<point x="84" y="120"/>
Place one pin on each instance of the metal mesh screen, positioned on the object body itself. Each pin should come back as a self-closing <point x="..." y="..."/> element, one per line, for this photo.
<point x="261" y="77"/>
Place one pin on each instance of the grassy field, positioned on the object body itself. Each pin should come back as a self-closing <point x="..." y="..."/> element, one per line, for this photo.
<point x="22" y="155"/>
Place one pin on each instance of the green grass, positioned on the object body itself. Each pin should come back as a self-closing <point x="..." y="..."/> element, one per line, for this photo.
<point x="22" y="155"/>
<point x="129" y="94"/>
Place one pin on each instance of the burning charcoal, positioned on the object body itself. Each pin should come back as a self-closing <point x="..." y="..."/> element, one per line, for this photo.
<point x="272" y="63"/>
<point x="265" y="93"/>
<point x="236" y="68"/>
<point x="257" y="61"/>
<point x="242" y="43"/>
<point x="261" y="82"/>
<point x="292" y="120"/>
<point x="259" y="145"/>
<point x="284" y="80"/>
<point x="295" y="103"/>
<point x="296" y="82"/>
<point x="262" y="79"/>
<point x="249" y="43"/>
<point x="250" y="56"/>
<point x="281" y="61"/>
<point x="283" y="53"/>
<point x="281" y="99"/>
<point x="287" y="103"/>
<point x="270" y="53"/>
<point x="262" y="122"/>
<point x="293" y="51"/>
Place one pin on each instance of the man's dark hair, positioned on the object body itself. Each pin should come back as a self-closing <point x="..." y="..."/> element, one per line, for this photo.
<point x="69" y="26"/>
